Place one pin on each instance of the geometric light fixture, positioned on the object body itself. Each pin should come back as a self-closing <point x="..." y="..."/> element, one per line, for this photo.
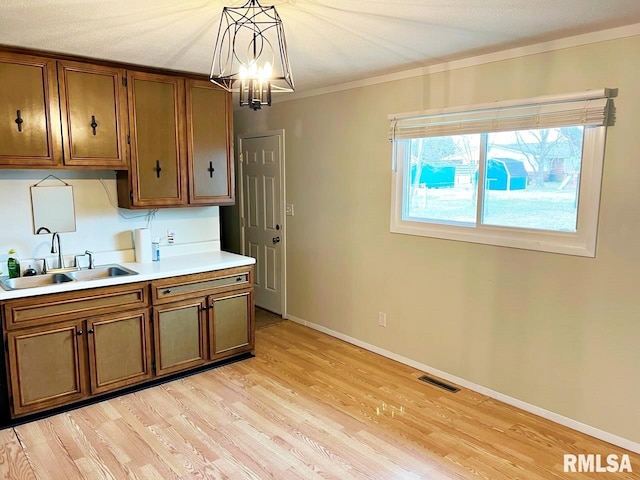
<point x="250" y="56"/>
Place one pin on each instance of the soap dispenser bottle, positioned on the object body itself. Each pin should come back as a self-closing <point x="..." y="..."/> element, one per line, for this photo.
<point x="13" y="265"/>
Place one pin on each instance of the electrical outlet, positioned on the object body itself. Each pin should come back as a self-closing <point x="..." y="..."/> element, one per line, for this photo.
<point x="382" y="319"/>
<point x="171" y="236"/>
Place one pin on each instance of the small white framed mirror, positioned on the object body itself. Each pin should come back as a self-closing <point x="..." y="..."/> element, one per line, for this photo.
<point x="53" y="209"/>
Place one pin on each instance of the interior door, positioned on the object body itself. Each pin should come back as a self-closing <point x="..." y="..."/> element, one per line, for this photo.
<point x="262" y="212"/>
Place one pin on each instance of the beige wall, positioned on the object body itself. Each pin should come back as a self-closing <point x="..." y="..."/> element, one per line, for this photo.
<point x="556" y="331"/>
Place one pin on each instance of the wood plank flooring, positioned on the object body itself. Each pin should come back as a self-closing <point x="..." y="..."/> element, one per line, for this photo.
<point x="307" y="406"/>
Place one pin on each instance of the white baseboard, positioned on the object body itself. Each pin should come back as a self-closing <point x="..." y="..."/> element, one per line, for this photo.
<point x="528" y="407"/>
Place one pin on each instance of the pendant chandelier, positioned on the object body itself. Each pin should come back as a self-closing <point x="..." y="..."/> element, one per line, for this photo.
<point x="250" y="56"/>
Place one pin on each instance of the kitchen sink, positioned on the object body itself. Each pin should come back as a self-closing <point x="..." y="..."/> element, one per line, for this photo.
<point x="104" y="271"/>
<point x="98" y="273"/>
<point x="36" y="281"/>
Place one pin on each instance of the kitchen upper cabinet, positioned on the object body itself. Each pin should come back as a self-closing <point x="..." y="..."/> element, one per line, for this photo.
<point x="157" y="177"/>
<point x="211" y="175"/>
<point x="93" y="103"/>
<point x="30" y="134"/>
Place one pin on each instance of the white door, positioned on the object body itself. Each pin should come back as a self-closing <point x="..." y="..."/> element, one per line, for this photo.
<point x="262" y="211"/>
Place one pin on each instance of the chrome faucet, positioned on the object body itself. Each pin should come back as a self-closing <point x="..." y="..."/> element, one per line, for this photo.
<point x="90" y="254"/>
<point x="59" y="250"/>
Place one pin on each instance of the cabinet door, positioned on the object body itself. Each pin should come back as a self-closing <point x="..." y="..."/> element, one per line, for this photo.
<point x="46" y="367"/>
<point x="209" y="126"/>
<point x="156" y="119"/>
<point x="231" y="324"/>
<point x="93" y="101"/>
<point x="119" y="350"/>
<point x="29" y="112"/>
<point x="180" y="336"/>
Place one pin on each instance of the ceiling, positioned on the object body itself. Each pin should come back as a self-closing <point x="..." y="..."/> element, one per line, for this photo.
<point x="330" y="41"/>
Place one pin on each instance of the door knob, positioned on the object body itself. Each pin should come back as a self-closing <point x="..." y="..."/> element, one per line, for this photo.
<point x="276" y="240"/>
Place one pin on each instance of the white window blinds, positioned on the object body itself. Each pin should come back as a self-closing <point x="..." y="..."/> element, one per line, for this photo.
<point x="586" y="108"/>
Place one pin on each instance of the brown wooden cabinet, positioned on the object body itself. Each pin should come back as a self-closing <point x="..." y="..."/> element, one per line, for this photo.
<point x="210" y="165"/>
<point x="169" y="136"/>
<point x="29" y="112"/>
<point x="203" y="317"/>
<point x="231" y="323"/>
<point x="119" y="350"/>
<point x="63" y="348"/>
<point x="93" y="103"/>
<point x="46" y="366"/>
<point x="157" y="177"/>
<point x="180" y="336"/>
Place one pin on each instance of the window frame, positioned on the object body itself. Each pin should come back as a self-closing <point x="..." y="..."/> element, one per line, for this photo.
<point x="580" y="243"/>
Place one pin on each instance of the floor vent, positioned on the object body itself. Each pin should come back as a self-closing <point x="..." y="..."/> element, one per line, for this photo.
<point x="439" y="383"/>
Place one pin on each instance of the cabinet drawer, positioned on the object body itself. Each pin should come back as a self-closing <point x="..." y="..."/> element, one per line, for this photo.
<point x="45" y="309"/>
<point x="188" y="286"/>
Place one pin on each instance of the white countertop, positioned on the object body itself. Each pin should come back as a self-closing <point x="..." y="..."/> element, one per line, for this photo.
<point x="166" y="267"/>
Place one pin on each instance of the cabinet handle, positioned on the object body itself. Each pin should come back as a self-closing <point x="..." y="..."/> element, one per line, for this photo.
<point x="79" y="332"/>
<point x="19" y="120"/>
<point x="167" y="291"/>
<point x="90" y="330"/>
<point x="211" y="169"/>
<point x="158" y="169"/>
<point x="93" y="124"/>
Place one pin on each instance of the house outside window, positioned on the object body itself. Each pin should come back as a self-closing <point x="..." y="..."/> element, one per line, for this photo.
<point x="523" y="174"/>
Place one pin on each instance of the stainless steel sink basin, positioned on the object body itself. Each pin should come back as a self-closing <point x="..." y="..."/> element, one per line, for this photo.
<point x="98" y="273"/>
<point x="104" y="271"/>
<point x="32" y="282"/>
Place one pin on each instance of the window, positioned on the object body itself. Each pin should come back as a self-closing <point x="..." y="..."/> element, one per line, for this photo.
<point x="521" y="174"/>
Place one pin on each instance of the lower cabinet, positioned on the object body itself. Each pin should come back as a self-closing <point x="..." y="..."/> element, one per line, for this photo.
<point x="180" y="336"/>
<point x="66" y="347"/>
<point x="119" y="350"/>
<point x="230" y="324"/>
<point x="193" y="332"/>
<point x="117" y="347"/>
<point x="46" y="367"/>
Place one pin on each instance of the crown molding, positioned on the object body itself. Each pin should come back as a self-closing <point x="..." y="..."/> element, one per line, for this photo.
<point x="517" y="52"/>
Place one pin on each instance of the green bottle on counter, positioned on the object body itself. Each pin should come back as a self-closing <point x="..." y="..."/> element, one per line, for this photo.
<point x="13" y="265"/>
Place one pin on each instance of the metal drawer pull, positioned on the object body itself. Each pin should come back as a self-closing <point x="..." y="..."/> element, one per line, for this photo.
<point x="90" y="330"/>
<point x="167" y="291"/>
<point x="19" y="120"/>
<point x="211" y="169"/>
<point x="79" y="332"/>
<point x="239" y="279"/>
<point x="93" y="124"/>
<point x="158" y="169"/>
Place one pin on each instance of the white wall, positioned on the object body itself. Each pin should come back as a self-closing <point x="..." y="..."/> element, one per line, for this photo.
<point x="555" y="331"/>
<point x="100" y="227"/>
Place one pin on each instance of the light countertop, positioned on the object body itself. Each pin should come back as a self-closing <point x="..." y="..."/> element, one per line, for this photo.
<point x="166" y="267"/>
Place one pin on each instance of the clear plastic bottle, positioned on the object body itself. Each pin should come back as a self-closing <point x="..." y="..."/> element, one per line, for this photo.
<point x="13" y="265"/>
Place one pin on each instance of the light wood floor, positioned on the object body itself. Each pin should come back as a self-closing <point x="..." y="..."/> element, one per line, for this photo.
<point x="307" y="407"/>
